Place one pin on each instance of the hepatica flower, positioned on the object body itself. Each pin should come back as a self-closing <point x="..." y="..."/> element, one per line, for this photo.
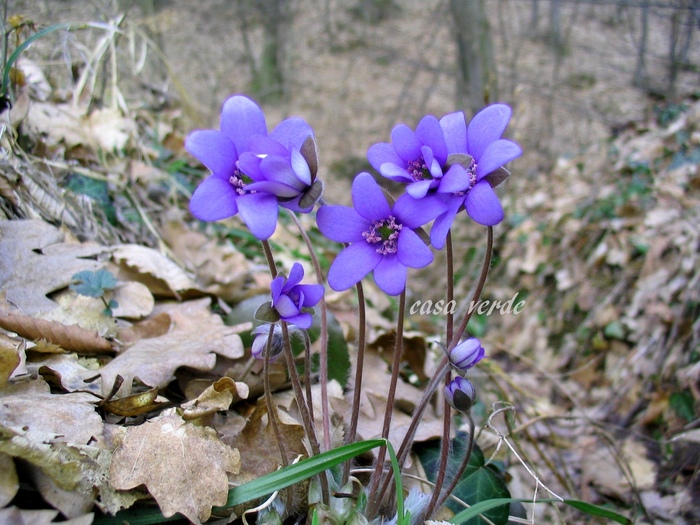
<point x="460" y="394"/>
<point x="382" y="238"/>
<point x="447" y="160"/>
<point x="253" y="172"/>
<point x="466" y="354"/>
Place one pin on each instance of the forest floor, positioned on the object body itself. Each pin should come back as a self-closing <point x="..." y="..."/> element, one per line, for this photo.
<point x="600" y="371"/>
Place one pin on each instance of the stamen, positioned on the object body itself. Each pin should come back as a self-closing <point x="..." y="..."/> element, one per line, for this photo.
<point x="239" y="181"/>
<point x="471" y="172"/>
<point x="385" y="233"/>
<point x="418" y="170"/>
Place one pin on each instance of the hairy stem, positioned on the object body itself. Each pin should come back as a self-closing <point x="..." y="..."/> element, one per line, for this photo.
<point x="359" y="370"/>
<point x="458" y="475"/>
<point x="323" y="365"/>
<point x="395" y="367"/>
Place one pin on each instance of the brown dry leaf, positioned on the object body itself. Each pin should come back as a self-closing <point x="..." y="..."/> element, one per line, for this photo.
<point x="155" y="270"/>
<point x="17" y="516"/>
<point x="194" y="337"/>
<point x="182" y="465"/>
<point x="36" y="262"/>
<point x="220" y="268"/>
<point x="134" y="299"/>
<point x="257" y="442"/>
<point x="67" y="371"/>
<point x="219" y="396"/>
<point x="71" y="337"/>
<point x="9" y="358"/>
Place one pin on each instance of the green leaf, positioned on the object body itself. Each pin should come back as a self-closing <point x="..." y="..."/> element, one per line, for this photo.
<point x="595" y="510"/>
<point x="95" y="189"/>
<point x="93" y="284"/>
<point x="478" y="484"/>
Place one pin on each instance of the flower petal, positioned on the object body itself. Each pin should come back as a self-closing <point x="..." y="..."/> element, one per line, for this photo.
<point x="390" y="276"/>
<point x="279" y="169"/>
<point x="456" y="179"/>
<point x="405" y="143"/>
<point x="240" y="119"/>
<point x="395" y="172"/>
<point x="486" y="127"/>
<point x="296" y="274"/>
<point x="438" y="233"/>
<point x="352" y="265"/>
<point x="292" y="132"/>
<point x="214" y="149"/>
<point x="303" y="320"/>
<point x="496" y="155"/>
<point x="301" y="168"/>
<point x="454" y="129"/>
<point x="341" y="224"/>
<point x="416" y="212"/>
<point x="483" y="205"/>
<point x="276" y="287"/>
<point x="368" y="198"/>
<point x="383" y="153"/>
<point x="412" y="251"/>
<point x="263" y="145"/>
<point x="286" y="307"/>
<point x="312" y="294"/>
<point x="430" y="133"/>
<point x="213" y="200"/>
<point x="259" y="212"/>
<point x="418" y="189"/>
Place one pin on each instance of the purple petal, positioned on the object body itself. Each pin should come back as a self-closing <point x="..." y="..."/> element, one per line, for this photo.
<point x="275" y="188"/>
<point x="405" y="142"/>
<point x="395" y="172"/>
<point x="263" y="145"/>
<point x="390" y="275"/>
<point x="276" y="287"/>
<point x="430" y="133"/>
<point x="214" y="149"/>
<point x="341" y="224"/>
<point x="482" y="205"/>
<point x="496" y="155"/>
<point x="352" y="265"/>
<point x="368" y="198"/>
<point x="417" y="190"/>
<point x="259" y="212"/>
<point x="383" y="153"/>
<point x="454" y="129"/>
<point x="416" y="212"/>
<point x="292" y="132"/>
<point x="438" y="233"/>
<point x="296" y="274"/>
<point x="301" y="168"/>
<point x="286" y="307"/>
<point x="455" y="180"/>
<point x="213" y="200"/>
<point x="303" y="320"/>
<point x="279" y="169"/>
<point x="412" y="251"/>
<point x="486" y="127"/>
<point x="312" y="294"/>
<point x="249" y="164"/>
<point x="240" y="119"/>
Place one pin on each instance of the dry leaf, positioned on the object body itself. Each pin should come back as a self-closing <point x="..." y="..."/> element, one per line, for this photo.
<point x="67" y="371"/>
<point x="9" y="358"/>
<point x="160" y="274"/>
<point x="219" y="396"/>
<point x="9" y="482"/>
<point x="71" y="337"/>
<point x="36" y="262"/>
<point x="195" y="335"/>
<point x="134" y="299"/>
<point x="182" y="465"/>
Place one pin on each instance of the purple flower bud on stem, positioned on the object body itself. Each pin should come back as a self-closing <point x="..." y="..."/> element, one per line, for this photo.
<point x="466" y="354"/>
<point x="460" y="394"/>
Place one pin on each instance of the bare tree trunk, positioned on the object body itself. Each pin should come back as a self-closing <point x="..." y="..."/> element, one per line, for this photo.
<point x="477" y="80"/>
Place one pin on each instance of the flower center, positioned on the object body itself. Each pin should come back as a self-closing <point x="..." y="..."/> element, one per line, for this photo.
<point x="471" y="172"/>
<point x="239" y="181"/>
<point x="385" y="233"/>
<point x="418" y="169"/>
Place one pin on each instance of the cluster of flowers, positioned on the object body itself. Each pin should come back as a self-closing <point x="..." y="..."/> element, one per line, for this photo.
<point x="446" y="165"/>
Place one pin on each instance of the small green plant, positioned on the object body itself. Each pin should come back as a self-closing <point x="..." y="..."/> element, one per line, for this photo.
<point x="96" y="284"/>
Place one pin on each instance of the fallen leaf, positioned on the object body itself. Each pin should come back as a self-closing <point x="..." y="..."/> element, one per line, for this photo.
<point x="194" y="337"/>
<point x="219" y="396"/>
<point x="37" y="262"/>
<point x="182" y="465"/>
<point x="9" y="482"/>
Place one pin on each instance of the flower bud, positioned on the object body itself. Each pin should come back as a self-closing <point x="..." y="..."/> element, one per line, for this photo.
<point x="466" y="354"/>
<point x="262" y="333"/>
<point x="460" y="394"/>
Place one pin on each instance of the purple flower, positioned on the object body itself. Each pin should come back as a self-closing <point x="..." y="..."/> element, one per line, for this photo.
<point x="289" y="298"/>
<point x="243" y="180"/>
<point x="382" y="238"/>
<point x="460" y="394"/>
<point x="415" y="158"/>
<point x="476" y="155"/>
<point x="466" y="354"/>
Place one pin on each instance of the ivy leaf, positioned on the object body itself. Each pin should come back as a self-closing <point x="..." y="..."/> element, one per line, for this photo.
<point x="478" y="483"/>
<point x="93" y="284"/>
